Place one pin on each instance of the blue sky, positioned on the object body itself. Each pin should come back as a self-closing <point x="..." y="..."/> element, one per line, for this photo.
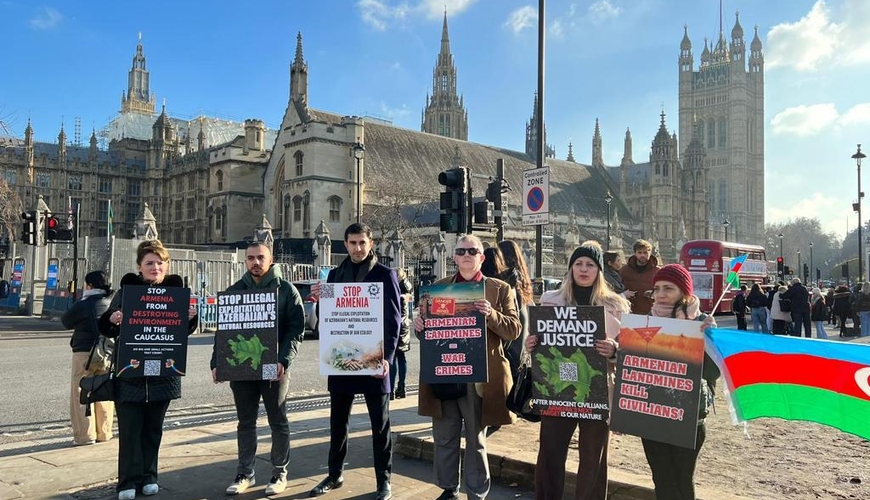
<point x="611" y="59"/>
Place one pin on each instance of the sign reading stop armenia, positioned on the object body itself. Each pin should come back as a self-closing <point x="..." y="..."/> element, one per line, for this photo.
<point x="536" y="196"/>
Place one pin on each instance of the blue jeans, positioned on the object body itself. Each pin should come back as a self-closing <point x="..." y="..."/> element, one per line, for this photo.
<point x="820" y="330"/>
<point x="865" y="323"/>
<point x="759" y="317"/>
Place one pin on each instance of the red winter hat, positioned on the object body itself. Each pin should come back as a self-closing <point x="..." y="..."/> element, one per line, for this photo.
<point x="677" y="275"/>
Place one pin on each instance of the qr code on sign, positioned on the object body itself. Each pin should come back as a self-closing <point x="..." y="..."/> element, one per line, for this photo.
<point x="568" y="372"/>
<point x="270" y="371"/>
<point x="152" y="367"/>
<point x="327" y="290"/>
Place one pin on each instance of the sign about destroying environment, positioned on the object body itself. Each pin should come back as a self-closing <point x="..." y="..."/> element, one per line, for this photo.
<point x="153" y="339"/>
<point x="351" y="328"/>
<point x="569" y="376"/>
<point x="453" y="342"/>
<point x="246" y="340"/>
<point x="658" y="377"/>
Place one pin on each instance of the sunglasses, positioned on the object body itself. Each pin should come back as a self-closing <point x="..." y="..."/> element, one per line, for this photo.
<point x="471" y="251"/>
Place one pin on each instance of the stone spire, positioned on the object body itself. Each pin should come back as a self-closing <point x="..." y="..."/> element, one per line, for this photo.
<point x="299" y="75"/>
<point x="597" y="153"/>
<point x="445" y="113"/>
<point x="570" y="153"/>
<point x="626" y="152"/>
<point x="138" y="98"/>
<point x="532" y="135"/>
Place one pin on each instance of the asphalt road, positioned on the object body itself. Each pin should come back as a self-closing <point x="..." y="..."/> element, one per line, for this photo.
<point x="35" y="360"/>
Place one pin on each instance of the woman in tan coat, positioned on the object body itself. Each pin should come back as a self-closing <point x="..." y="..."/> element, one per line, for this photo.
<point x="584" y="285"/>
<point x="483" y="404"/>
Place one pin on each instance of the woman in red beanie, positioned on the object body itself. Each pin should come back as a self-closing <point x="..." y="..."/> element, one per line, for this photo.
<point x="673" y="467"/>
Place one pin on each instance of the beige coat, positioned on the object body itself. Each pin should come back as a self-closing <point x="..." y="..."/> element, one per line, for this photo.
<point x="503" y="323"/>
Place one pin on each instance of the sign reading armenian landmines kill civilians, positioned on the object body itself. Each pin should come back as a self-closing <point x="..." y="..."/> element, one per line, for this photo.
<point x="246" y="340"/>
<point x="569" y="376"/>
<point x="153" y="339"/>
<point x="453" y="342"/>
<point x="351" y="328"/>
<point x="658" y="379"/>
<point x="536" y="196"/>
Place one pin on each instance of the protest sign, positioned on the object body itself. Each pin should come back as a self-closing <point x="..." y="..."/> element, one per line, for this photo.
<point x="351" y="328"/>
<point x="153" y="339"/>
<point x="246" y="340"/>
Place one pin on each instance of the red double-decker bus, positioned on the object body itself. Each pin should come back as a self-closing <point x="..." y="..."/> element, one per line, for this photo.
<point x="709" y="262"/>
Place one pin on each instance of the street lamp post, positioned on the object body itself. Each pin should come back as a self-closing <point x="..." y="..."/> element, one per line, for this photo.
<point x="781" y="256"/>
<point x="799" y="269"/>
<point x="812" y="268"/>
<point x="608" y="199"/>
<point x="858" y="156"/>
<point x="359" y="151"/>
<point x="726" y="223"/>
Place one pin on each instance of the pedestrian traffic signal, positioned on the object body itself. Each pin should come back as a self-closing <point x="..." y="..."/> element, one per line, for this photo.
<point x="55" y="230"/>
<point x="454" y="201"/>
<point x="779" y="267"/>
<point x="28" y="227"/>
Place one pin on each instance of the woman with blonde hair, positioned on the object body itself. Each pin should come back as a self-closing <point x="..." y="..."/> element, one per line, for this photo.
<point x="584" y="285"/>
<point x="819" y="312"/>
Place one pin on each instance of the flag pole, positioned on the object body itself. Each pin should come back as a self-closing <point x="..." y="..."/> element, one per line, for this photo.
<point x="720" y="300"/>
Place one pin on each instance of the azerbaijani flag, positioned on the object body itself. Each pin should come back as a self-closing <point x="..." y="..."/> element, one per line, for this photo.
<point x="821" y="381"/>
<point x="733" y="278"/>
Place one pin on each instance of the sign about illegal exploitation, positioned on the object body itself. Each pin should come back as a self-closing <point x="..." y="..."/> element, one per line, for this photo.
<point x="246" y="340"/>
<point x="453" y="342"/>
<point x="351" y="328"/>
<point x="658" y="379"/>
<point x="569" y="376"/>
<point x="153" y="339"/>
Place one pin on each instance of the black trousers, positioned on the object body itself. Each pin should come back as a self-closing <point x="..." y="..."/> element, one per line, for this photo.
<point x="741" y="321"/>
<point x="382" y="441"/>
<point x="673" y="467"/>
<point x="140" y="430"/>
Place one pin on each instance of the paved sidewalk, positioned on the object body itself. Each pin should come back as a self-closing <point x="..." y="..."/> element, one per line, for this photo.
<point x="199" y="463"/>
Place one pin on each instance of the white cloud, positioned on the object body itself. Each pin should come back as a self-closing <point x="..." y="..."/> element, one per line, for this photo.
<point x="804" y="120"/>
<point x="434" y="9"/>
<point x="556" y="28"/>
<point x="380" y="14"/>
<point x="856" y="115"/>
<point x="47" y="18"/>
<point x="822" y="38"/>
<point x="393" y="113"/>
<point x="522" y="18"/>
<point x="831" y="211"/>
<point x="602" y="10"/>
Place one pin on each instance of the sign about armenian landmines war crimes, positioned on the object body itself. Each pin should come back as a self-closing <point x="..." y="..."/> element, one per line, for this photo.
<point x="351" y="328"/>
<point x="246" y="341"/>
<point x="153" y="339"/>
<point x="569" y="376"/>
<point x="658" y="379"/>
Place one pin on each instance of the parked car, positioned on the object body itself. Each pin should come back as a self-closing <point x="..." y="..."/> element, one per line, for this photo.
<point x="310" y="306"/>
<point x="541" y="285"/>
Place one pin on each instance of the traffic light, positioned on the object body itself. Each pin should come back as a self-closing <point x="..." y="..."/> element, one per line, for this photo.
<point x="806" y="272"/>
<point x="454" y="205"/>
<point x="779" y="267"/>
<point x="28" y="227"/>
<point x="55" y="230"/>
<point x="786" y="271"/>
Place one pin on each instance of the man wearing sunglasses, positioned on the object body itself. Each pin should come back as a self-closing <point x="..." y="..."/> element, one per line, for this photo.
<point x="483" y="404"/>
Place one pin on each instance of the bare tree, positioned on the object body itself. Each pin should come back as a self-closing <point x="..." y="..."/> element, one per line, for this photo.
<point x="10" y="210"/>
<point x="396" y="209"/>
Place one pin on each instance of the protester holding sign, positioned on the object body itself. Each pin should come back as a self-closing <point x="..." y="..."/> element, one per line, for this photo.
<point x="362" y="266"/>
<point x="673" y="467"/>
<point x="583" y="285"/>
<point x="481" y="404"/>
<point x="141" y="402"/>
<point x="289" y="316"/>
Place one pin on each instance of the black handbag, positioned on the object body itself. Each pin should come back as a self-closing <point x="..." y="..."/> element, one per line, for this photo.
<point x="96" y="388"/>
<point x="520" y="397"/>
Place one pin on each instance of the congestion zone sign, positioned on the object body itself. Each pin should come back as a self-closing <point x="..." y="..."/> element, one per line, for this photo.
<point x="536" y="196"/>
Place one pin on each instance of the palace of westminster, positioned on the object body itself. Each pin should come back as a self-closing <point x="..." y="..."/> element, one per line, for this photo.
<point x="207" y="181"/>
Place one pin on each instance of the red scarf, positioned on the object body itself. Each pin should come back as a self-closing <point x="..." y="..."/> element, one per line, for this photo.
<point x="476" y="277"/>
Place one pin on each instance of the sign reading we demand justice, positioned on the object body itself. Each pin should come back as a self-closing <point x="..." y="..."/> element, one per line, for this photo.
<point x="658" y="377"/>
<point x="246" y="341"/>
<point x="569" y="376"/>
<point x="153" y="340"/>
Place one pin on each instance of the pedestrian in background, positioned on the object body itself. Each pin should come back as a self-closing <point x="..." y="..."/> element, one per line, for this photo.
<point x="517" y="276"/>
<point x="82" y="318"/>
<point x="584" y="285"/>
<point x="757" y="303"/>
<point x="780" y="317"/>
<point x="399" y="369"/>
<point x="862" y="305"/>
<point x="141" y="402"/>
<point x="843" y="306"/>
<point x="800" y="307"/>
<point x="738" y="307"/>
<point x="637" y="275"/>
<point x="261" y="274"/>
<point x="819" y="313"/>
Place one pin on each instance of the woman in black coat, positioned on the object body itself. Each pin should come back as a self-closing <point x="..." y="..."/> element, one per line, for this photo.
<point x="141" y="402"/>
<point x="82" y="318"/>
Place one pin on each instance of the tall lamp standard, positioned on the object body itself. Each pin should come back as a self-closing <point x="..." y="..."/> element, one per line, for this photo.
<point x="858" y="156"/>
<point x="780" y="255"/>
<point x="608" y="198"/>
<point x="799" y="269"/>
<point x="812" y="269"/>
<point x="726" y="223"/>
<point x="359" y="151"/>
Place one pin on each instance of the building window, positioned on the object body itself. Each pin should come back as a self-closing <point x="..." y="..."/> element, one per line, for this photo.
<point x="74" y="183"/>
<point x="134" y="187"/>
<point x="298" y="157"/>
<point x="132" y="211"/>
<point x="43" y="180"/>
<point x="191" y="209"/>
<point x="177" y="209"/>
<point x="306" y="211"/>
<point x="711" y="134"/>
<point x="102" y="215"/>
<point x="722" y="132"/>
<point x="11" y="177"/>
<point x="297" y="208"/>
<point x="218" y="219"/>
<point x="334" y="209"/>
<point x="76" y="204"/>
<point x="723" y="196"/>
<point x="220" y="180"/>
<point x="105" y="185"/>
<point x="701" y="131"/>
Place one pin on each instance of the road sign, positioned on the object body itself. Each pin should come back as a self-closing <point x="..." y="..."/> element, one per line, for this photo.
<point x="536" y="196"/>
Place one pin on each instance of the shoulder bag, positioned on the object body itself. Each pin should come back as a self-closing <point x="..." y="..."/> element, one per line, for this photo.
<point x="520" y="396"/>
<point x="100" y="357"/>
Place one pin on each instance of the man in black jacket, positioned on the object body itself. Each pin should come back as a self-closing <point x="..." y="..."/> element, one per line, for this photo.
<point x="800" y="307"/>
<point x="262" y="275"/>
<point x="362" y="266"/>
